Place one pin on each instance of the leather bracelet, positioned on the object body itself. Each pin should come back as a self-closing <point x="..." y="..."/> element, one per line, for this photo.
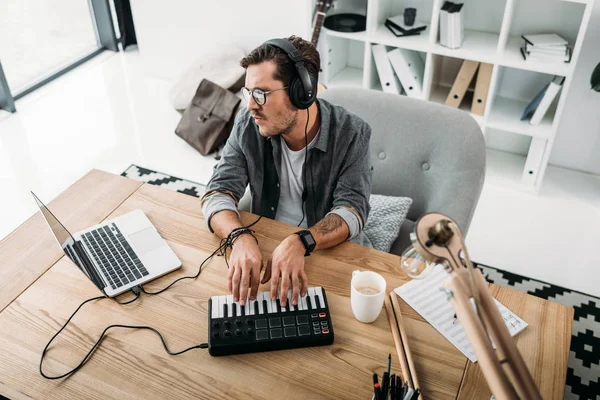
<point x="232" y="237"/>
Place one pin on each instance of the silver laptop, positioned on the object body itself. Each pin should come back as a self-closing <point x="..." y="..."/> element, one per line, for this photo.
<point x="118" y="254"/>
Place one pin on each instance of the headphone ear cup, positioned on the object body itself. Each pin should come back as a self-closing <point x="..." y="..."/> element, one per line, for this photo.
<point x="299" y="97"/>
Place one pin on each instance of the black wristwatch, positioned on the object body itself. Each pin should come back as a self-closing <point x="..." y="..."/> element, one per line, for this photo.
<point x="307" y="240"/>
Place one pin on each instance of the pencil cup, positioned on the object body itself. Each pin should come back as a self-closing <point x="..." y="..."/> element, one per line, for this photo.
<point x="367" y="294"/>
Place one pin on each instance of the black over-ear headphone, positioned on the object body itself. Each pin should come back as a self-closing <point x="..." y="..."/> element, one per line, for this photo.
<point x="303" y="87"/>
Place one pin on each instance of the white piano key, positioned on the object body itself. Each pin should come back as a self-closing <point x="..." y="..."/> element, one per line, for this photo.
<point x="319" y="293"/>
<point x="222" y="301"/>
<point x="303" y="301"/>
<point x="274" y="305"/>
<point x="250" y="307"/>
<point x="287" y="300"/>
<point x="229" y="305"/>
<point x="259" y="299"/>
<point x="313" y="300"/>
<point x="214" y="313"/>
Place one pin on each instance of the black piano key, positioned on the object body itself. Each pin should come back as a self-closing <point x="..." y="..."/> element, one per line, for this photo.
<point x="225" y="311"/>
<point x="242" y="311"/>
<point x="256" y="308"/>
<point x="318" y="300"/>
<point x="265" y="307"/>
<point x="278" y="302"/>
<point x="309" y="302"/>
<point x="234" y="309"/>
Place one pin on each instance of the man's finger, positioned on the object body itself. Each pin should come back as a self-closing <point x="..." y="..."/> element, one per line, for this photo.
<point x="254" y="282"/>
<point x="295" y="288"/>
<point x="267" y="273"/>
<point x="274" y="281"/>
<point x="235" y="283"/>
<point x="304" y="278"/>
<point x="285" y="285"/>
<point x="244" y="283"/>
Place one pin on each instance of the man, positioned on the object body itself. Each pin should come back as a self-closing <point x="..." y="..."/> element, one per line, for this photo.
<point x="306" y="161"/>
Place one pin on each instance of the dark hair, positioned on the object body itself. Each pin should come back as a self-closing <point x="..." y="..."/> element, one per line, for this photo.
<point x="285" y="71"/>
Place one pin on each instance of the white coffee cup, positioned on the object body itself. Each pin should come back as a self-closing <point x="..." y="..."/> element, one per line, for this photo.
<point x="366" y="307"/>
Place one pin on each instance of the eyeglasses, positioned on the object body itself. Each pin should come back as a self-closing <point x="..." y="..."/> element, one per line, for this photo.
<point x="259" y="95"/>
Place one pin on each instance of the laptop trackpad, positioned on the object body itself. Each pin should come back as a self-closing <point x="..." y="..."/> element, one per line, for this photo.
<point x="145" y="241"/>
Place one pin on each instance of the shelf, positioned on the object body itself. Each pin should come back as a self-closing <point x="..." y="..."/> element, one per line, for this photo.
<point x="506" y="115"/>
<point x="418" y="42"/>
<point x="440" y="93"/>
<point x="579" y="1"/>
<point x="513" y="58"/>
<point x="477" y="46"/>
<point x="505" y="170"/>
<point x="360" y="36"/>
<point x="347" y="77"/>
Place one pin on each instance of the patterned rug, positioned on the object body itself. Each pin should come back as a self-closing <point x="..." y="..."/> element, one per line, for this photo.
<point x="583" y="373"/>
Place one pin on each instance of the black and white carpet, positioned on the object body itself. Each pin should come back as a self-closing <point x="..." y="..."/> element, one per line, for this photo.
<point x="583" y="373"/>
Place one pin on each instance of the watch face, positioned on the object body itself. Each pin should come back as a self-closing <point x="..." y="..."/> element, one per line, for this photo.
<point x="310" y="241"/>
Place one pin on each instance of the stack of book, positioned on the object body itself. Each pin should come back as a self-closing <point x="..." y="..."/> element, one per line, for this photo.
<point x="397" y="26"/>
<point x="546" y="48"/>
<point x="452" y="29"/>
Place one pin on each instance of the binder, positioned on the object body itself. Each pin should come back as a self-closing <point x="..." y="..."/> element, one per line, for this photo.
<point x="534" y="161"/>
<point x="389" y="82"/>
<point x="551" y="93"/>
<point x="409" y="68"/>
<point x="533" y="104"/>
<point x="461" y="83"/>
<point x="482" y="85"/>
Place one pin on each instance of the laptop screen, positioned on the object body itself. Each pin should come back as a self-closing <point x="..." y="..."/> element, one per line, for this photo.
<point x="64" y="237"/>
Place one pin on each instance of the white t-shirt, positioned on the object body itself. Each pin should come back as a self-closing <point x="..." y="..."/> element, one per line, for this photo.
<point x="289" y="208"/>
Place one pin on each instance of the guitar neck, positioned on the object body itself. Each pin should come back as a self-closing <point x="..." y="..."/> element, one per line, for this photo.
<point x="317" y="28"/>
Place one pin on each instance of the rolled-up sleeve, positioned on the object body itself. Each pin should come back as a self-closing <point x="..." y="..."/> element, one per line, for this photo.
<point x="230" y="177"/>
<point x="353" y="189"/>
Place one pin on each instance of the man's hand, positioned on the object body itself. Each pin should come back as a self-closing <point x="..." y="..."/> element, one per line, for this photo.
<point x="245" y="264"/>
<point x="287" y="265"/>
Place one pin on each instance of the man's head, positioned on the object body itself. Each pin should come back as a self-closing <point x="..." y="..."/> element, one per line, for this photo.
<point x="269" y="69"/>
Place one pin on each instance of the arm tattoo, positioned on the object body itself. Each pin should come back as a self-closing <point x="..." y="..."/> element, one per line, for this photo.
<point x="329" y="224"/>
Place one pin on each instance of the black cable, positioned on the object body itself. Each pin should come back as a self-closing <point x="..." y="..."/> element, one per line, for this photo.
<point x="95" y="346"/>
<point x="225" y="242"/>
<point x="305" y="190"/>
<point x="136" y="291"/>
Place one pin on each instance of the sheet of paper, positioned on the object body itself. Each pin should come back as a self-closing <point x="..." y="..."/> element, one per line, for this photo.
<point x="430" y="301"/>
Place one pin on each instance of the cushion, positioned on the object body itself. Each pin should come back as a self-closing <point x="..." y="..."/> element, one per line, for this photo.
<point x="385" y="219"/>
<point x="221" y="66"/>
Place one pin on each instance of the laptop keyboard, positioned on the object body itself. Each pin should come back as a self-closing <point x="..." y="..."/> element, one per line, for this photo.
<point x="116" y="258"/>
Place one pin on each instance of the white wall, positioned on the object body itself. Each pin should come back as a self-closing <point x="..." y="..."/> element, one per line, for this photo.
<point x="172" y="34"/>
<point x="577" y="144"/>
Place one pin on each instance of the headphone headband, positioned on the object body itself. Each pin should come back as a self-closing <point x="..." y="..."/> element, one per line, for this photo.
<point x="299" y="100"/>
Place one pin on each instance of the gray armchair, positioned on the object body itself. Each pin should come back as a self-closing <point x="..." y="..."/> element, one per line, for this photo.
<point x="428" y="152"/>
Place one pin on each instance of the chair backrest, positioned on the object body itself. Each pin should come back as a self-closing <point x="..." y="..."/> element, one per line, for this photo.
<point x="431" y="153"/>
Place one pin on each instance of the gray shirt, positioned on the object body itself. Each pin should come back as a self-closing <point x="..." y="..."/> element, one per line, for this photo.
<point x="338" y="177"/>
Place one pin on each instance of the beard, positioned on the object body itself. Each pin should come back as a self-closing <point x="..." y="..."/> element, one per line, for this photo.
<point x="280" y="124"/>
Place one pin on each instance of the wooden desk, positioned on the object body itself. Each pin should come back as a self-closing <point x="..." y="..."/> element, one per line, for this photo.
<point x="39" y="289"/>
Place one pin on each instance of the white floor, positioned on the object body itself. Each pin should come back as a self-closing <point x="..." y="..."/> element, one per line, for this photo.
<point x="108" y="114"/>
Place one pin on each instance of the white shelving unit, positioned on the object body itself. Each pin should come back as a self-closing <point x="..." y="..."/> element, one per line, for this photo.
<point x="493" y="30"/>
